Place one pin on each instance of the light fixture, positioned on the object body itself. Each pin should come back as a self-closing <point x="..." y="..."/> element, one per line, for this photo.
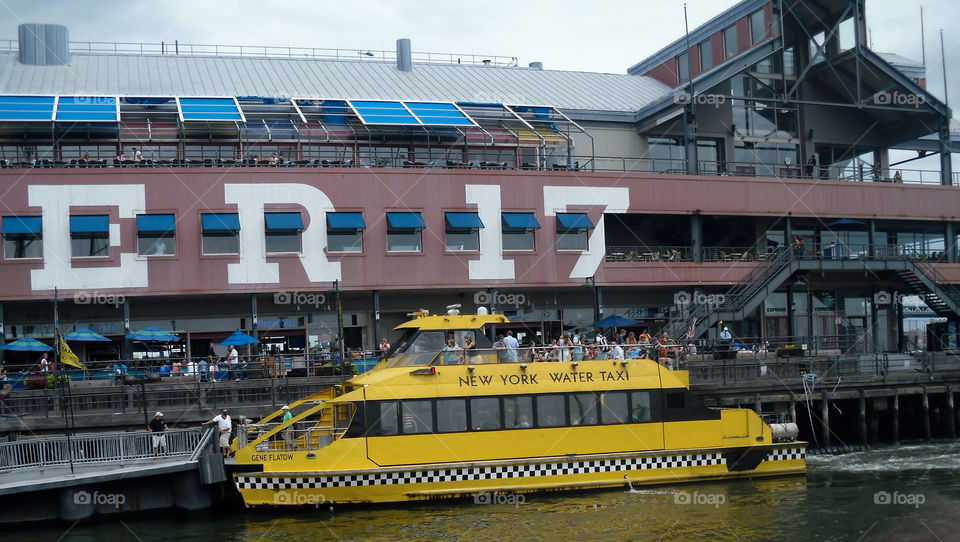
<point x="470" y="368"/>
<point x="523" y="366"/>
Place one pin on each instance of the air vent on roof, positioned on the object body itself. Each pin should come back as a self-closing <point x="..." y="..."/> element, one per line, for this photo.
<point x="536" y="65"/>
<point x="43" y="44"/>
<point x="404" y="57"/>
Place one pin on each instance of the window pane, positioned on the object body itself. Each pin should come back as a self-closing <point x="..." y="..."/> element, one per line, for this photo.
<point x="463" y="241"/>
<point x="756" y="26"/>
<point x="345" y="242"/>
<point x="22" y="247"/>
<point x="583" y="409"/>
<point x="155" y="245"/>
<point x="403" y="241"/>
<point x="221" y="244"/>
<point x="451" y="415"/>
<point x="518" y="411"/>
<point x="640" y="403"/>
<point x="417" y="417"/>
<point x="572" y="241"/>
<point x="706" y="56"/>
<point x="518" y="241"/>
<point x="613" y="407"/>
<point x="485" y="413"/>
<point x="283" y="242"/>
<point x="90" y="246"/>
<point x="675" y="399"/>
<point x="388" y="418"/>
<point x="683" y="67"/>
<point x="550" y="411"/>
<point x="730" y="41"/>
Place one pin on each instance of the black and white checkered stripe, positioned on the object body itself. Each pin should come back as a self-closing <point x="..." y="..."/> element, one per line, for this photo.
<point x="786" y="454"/>
<point x="257" y="481"/>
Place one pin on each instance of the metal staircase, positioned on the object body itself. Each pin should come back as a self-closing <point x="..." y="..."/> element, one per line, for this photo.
<point x="921" y="278"/>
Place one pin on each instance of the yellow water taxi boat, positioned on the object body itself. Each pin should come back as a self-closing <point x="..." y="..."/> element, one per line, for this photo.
<point x="433" y="421"/>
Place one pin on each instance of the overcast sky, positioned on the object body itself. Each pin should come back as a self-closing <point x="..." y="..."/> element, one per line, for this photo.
<point x="607" y="36"/>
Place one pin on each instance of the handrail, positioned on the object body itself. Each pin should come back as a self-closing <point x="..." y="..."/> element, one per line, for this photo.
<point x="204" y="442"/>
<point x="94" y="448"/>
<point x="267" y="51"/>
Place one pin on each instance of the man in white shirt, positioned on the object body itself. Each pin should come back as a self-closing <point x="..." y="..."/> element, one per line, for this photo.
<point x="512" y="345"/>
<point x="232" y="359"/>
<point x="224" y="425"/>
<point x="617" y="352"/>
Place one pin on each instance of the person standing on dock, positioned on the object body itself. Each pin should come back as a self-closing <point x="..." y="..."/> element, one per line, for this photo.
<point x="157" y="427"/>
<point x="224" y="425"/>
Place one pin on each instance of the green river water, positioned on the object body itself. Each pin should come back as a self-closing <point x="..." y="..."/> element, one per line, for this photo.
<point x="904" y="493"/>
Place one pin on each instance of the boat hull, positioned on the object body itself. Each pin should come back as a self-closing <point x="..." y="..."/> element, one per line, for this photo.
<point x="423" y="482"/>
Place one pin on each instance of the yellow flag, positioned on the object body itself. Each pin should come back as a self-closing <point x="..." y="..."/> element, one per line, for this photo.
<point x="67" y="356"/>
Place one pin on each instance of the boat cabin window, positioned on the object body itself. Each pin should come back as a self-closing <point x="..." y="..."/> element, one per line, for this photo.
<point x="583" y="409"/>
<point x="551" y="411"/>
<point x="423" y="347"/>
<point x="485" y="413"/>
<point x="613" y="407"/>
<point x="417" y="417"/>
<point x="451" y="415"/>
<point x="518" y="411"/>
<point x="675" y="399"/>
<point x="642" y="407"/>
<point x="388" y="418"/>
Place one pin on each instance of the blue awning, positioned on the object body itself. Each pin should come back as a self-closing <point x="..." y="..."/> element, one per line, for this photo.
<point x="573" y="222"/>
<point x="377" y="112"/>
<point x="87" y="109"/>
<point x="438" y="114"/>
<point x="220" y="222"/>
<point x="520" y="221"/>
<point x="283" y="221"/>
<point x="210" y="109"/>
<point x="463" y="221"/>
<point x="90" y="224"/>
<point x="345" y="221"/>
<point x="405" y="221"/>
<point x="156" y="223"/>
<point x="26" y="108"/>
<point x="22" y="225"/>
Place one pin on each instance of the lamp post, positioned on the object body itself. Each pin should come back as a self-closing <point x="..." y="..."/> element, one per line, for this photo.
<point x="592" y="281"/>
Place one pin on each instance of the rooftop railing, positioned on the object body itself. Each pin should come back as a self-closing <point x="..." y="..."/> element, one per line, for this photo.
<point x="266" y="51"/>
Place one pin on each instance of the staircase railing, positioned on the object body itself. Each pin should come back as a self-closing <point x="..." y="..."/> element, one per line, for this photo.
<point x="735" y="298"/>
<point x="948" y="288"/>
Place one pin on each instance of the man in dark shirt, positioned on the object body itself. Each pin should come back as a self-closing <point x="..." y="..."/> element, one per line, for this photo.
<point x="157" y="427"/>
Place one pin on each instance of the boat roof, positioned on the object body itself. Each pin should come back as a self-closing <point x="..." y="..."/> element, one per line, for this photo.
<point x="453" y="321"/>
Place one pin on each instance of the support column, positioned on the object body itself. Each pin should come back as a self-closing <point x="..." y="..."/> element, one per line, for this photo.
<point x="253" y="323"/>
<point x="896" y="415"/>
<point x="946" y="165"/>
<point x="788" y="232"/>
<point x="899" y="307"/>
<point x="873" y="318"/>
<point x="926" y="414"/>
<point x="825" y="422"/>
<point x="863" y="417"/>
<point x="690" y="138"/>
<point x="871" y="238"/>
<point x="951" y="414"/>
<point x="696" y="238"/>
<point x="791" y="328"/>
<point x="3" y="333"/>
<point x="376" y="319"/>
<point x="125" y="353"/>
<point x="950" y="243"/>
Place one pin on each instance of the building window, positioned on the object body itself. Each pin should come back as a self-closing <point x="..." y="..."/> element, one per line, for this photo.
<point x="221" y="233"/>
<point x="282" y="232"/>
<point x="730" y="47"/>
<point x="462" y="231"/>
<point x="345" y="232"/>
<point x="155" y="235"/>
<point x="518" y="230"/>
<point x="683" y="68"/>
<point x="90" y="236"/>
<point x="572" y="229"/>
<point x="706" y="56"/>
<point x="22" y="237"/>
<point x="403" y="231"/>
<point x="757" y="26"/>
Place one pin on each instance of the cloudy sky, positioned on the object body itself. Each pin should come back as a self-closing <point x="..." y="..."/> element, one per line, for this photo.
<point x="606" y="36"/>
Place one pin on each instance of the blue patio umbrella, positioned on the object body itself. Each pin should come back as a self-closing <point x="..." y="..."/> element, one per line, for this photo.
<point x="85" y="335"/>
<point x="26" y="344"/>
<point x="616" y="321"/>
<point x="239" y="338"/>
<point x="845" y="223"/>
<point x="153" y="334"/>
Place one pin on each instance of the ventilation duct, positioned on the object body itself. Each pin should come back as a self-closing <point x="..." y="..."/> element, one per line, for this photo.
<point x="404" y="56"/>
<point x="43" y="44"/>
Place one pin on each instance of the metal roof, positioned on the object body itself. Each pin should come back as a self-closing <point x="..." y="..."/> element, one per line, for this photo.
<point x="171" y="75"/>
